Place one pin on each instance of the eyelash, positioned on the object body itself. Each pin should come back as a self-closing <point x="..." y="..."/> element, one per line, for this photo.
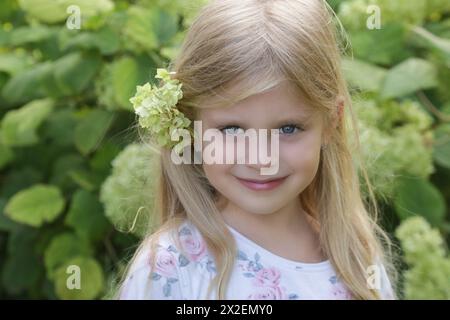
<point x="298" y="127"/>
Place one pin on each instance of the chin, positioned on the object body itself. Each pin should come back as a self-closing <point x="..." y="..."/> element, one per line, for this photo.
<point x="257" y="206"/>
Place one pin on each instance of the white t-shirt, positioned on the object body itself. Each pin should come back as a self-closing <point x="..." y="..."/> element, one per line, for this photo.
<point x="185" y="273"/>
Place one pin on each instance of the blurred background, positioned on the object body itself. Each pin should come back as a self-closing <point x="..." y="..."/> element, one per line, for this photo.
<point x="76" y="186"/>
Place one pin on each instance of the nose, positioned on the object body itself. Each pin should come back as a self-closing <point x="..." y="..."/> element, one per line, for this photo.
<point x="262" y="155"/>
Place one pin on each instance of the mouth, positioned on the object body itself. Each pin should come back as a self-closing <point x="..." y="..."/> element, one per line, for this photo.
<point x="260" y="185"/>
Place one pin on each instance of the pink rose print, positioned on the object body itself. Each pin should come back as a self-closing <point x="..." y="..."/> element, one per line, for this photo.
<point x="341" y="293"/>
<point x="267" y="293"/>
<point x="165" y="263"/>
<point x="265" y="281"/>
<point x="267" y="277"/>
<point x="194" y="246"/>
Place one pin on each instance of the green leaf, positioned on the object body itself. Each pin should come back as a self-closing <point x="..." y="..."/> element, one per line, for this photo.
<point x="409" y="76"/>
<point x="26" y="157"/>
<point x="165" y="26"/>
<point x="7" y="9"/>
<point x="91" y="130"/>
<point x="101" y="161"/>
<point x="6" y="155"/>
<point x="441" y="151"/>
<point x="6" y="224"/>
<point x="64" y="247"/>
<point x="150" y="28"/>
<point x="433" y="41"/>
<point x="59" y="127"/>
<point x="118" y="80"/>
<point x="86" y="179"/>
<point x="140" y="27"/>
<point x="28" y="84"/>
<point x="22" y="268"/>
<point x="35" y="205"/>
<point x="125" y="77"/>
<point x="105" y="40"/>
<point x="419" y="197"/>
<point x="25" y="35"/>
<point x="18" y="127"/>
<point x="18" y="179"/>
<point x="382" y="46"/>
<point x="61" y="171"/>
<point x="363" y="75"/>
<point x="51" y="11"/>
<point x="3" y="80"/>
<point x="86" y="217"/>
<point x="90" y="275"/>
<point x="13" y="63"/>
<point x="75" y="71"/>
<point x="45" y="10"/>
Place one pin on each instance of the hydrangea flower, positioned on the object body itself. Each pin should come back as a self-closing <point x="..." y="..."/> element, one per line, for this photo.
<point x="426" y="254"/>
<point x="395" y="139"/>
<point x="156" y="108"/>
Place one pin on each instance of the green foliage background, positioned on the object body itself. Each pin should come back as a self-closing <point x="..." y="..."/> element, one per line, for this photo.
<point x="76" y="190"/>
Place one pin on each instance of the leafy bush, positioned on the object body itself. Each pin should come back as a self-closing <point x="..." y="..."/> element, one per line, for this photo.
<point x="128" y="192"/>
<point x="75" y="190"/>
<point x="426" y="254"/>
<point x="66" y="125"/>
<point x="400" y="76"/>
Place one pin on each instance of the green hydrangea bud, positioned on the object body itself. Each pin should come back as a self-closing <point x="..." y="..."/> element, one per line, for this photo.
<point x="156" y="108"/>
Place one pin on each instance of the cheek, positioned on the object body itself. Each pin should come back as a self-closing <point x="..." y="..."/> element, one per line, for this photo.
<point x="216" y="174"/>
<point x="301" y="156"/>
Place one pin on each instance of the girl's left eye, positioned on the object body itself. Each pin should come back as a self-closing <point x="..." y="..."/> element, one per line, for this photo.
<point x="289" y="129"/>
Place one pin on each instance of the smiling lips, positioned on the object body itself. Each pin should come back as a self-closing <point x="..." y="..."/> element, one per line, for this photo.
<point x="262" y="185"/>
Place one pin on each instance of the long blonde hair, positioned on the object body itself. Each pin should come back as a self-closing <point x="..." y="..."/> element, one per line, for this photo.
<point x="252" y="46"/>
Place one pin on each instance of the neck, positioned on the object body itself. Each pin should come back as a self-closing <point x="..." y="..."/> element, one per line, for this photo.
<point x="289" y="219"/>
<point x="296" y="237"/>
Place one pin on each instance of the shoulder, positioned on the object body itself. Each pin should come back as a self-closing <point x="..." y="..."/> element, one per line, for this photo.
<point x="154" y="271"/>
<point x="164" y="263"/>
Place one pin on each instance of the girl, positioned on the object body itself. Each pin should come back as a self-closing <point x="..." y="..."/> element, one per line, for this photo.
<point x="228" y="232"/>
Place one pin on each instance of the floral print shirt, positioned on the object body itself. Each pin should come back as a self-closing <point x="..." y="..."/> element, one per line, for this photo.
<point x="185" y="272"/>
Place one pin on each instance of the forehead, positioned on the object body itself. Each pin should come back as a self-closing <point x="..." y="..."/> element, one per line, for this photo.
<point x="283" y="100"/>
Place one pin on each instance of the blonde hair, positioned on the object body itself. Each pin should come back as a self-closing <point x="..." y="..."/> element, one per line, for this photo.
<point x="235" y="49"/>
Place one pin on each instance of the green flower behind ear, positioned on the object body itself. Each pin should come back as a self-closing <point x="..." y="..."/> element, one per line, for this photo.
<point x="156" y="108"/>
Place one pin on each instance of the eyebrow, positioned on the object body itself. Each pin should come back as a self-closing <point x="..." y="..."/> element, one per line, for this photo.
<point x="234" y="120"/>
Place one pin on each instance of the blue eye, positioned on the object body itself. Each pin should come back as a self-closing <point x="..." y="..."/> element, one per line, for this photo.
<point x="289" y="129"/>
<point x="232" y="130"/>
<point x="286" y="129"/>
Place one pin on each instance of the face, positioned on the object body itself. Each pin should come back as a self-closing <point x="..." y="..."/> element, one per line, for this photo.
<point x="300" y="132"/>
